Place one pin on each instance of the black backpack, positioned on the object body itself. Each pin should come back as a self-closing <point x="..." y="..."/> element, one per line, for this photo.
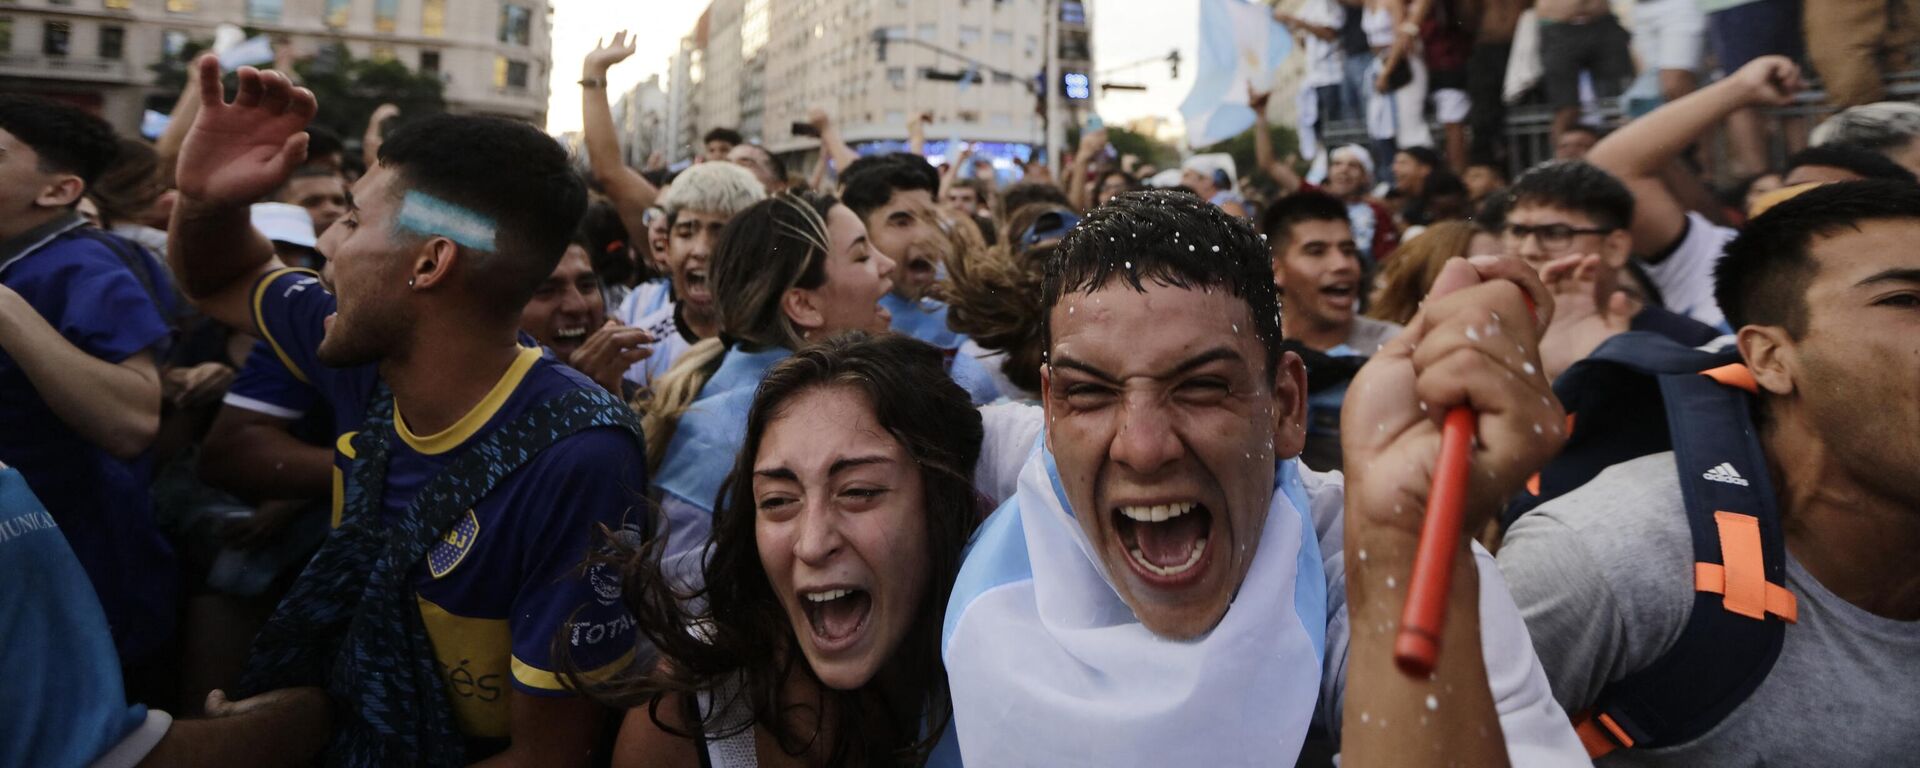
<point x="1639" y="394"/>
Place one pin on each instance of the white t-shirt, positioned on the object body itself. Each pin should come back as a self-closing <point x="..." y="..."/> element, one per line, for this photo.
<point x="1685" y="277"/>
<point x="1323" y="56"/>
<point x="668" y="344"/>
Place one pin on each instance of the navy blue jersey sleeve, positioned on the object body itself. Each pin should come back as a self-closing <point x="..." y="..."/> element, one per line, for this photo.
<point x="89" y="295"/>
<point x="290" y="309"/>
<point x="264" y="385"/>
<point x="593" y="479"/>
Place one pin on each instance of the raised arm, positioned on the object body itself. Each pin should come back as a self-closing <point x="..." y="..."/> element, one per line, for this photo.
<point x="1303" y="26"/>
<point x="831" y="145"/>
<point x="1435" y="365"/>
<point x="113" y="405"/>
<point x="371" y="140"/>
<point x="1641" y="151"/>
<point x="234" y="155"/>
<point x="167" y="147"/>
<point x="1263" y="159"/>
<point x="1074" y="176"/>
<point x="917" y="132"/>
<point x="631" y="193"/>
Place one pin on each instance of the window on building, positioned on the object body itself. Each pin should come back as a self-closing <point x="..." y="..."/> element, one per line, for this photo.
<point x="927" y="32"/>
<point x="59" y="2"/>
<point x="386" y="16"/>
<point x="337" y="12"/>
<point x="1000" y="119"/>
<point x="517" y="75"/>
<point x="6" y="34"/>
<point x="1072" y="12"/>
<point x="113" y="42"/>
<point x="382" y="52"/>
<point x="1002" y="38"/>
<point x="499" y="71"/>
<point x="264" y="10"/>
<point x="180" y="6"/>
<point x="119" y="5"/>
<point x="516" y="24"/>
<point x="897" y="76"/>
<point x="55" y="38"/>
<point x="1033" y="45"/>
<point x="433" y="18"/>
<point x="430" y="62"/>
<point x="173" y="43"/>
<point x="896" y="117"/>
<point x="969" y="36"/>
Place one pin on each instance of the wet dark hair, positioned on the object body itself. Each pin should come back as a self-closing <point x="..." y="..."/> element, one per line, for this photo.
<point x="1172" y="238"/>
<point x="1577" y="186"/>
<point x="775" y="165"/>
<point x="870" y="182"/>
<point x="507" y="171"/>
<point x="1869" y="165"/>
<point x="727" y="135"/>
<point x="1762" y="278"/>
<point x="67" y="138"/>
<point x="742" y="639"/>
<point x="1307" y="205"/>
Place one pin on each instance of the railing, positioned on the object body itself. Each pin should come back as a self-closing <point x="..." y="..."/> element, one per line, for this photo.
<point x="37" y="65"/>
<point x="1530" y="123"/>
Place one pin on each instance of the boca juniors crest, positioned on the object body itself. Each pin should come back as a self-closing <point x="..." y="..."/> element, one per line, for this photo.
<point x="453" y="547"/>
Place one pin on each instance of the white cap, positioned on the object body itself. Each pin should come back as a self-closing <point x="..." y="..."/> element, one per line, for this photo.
<point x="284" y="222"/>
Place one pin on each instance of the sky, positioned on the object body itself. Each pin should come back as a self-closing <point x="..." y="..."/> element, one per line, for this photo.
<point x="1124" y="31"/>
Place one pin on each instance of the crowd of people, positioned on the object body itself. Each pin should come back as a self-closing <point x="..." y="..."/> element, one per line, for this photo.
<point x="446" y="452"/>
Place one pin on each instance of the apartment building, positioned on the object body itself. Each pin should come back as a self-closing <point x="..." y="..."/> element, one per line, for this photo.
<point x="493" y="55"/>
<point x="972" y="64"/>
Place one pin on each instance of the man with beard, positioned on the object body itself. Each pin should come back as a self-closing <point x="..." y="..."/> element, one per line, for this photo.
<point x="482" y="468"/>
<point x="699" y="204"/>
<point x="1168" y="586"/>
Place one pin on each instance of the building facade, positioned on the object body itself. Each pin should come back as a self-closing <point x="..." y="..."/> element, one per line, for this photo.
<point x="640" y="118"/>
<point x="493" y="55"/>
<point x="971" y="64"/>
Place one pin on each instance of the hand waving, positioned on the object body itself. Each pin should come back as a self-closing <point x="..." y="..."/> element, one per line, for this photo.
<point x="607" y="54"/>
<point x="239" y="152"/>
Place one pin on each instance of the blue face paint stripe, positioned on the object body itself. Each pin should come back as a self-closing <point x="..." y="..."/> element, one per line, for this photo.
<point x="428" y="215"/>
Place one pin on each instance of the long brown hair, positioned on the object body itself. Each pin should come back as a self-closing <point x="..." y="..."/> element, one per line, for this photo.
<point x="776" y="244"/>
<point x="1414" y="267"/>
<point x="732" y="633"/>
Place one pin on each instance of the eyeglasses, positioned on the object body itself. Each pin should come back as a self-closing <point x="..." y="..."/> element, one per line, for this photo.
<point x="1553" y="237"/>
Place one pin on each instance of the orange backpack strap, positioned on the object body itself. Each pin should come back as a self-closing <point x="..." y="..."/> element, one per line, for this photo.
<point x="1741" y="576"/>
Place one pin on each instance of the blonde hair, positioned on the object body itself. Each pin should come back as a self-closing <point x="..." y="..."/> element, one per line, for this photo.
<point x="1415" y="265"/>
<point x="774" y="246"/>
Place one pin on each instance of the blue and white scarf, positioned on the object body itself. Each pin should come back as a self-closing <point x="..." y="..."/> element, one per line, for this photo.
<point x="1049" y="667"/>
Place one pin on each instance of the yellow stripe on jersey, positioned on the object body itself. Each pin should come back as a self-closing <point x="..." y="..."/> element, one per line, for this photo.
<point x="473" y="655"/>
<point x="259" y="293"/>
<point x="345" y="447"/>
<point x="535" y="677"/>
<point x="452" y="437"/>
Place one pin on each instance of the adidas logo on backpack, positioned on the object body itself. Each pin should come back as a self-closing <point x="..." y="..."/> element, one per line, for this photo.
<point x="1725" y="473"/>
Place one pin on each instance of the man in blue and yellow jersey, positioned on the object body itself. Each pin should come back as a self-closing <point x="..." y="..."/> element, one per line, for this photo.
<point x="444" y="606"/>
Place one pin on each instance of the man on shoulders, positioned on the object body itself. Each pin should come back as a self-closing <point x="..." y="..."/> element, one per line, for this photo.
<point x="1825" y="292"/>
<point x="481" y="471"/>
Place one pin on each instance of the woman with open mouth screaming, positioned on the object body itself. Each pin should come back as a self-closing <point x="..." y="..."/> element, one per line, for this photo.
<point x="815" y="640"/>
<point x="789" y="270"/>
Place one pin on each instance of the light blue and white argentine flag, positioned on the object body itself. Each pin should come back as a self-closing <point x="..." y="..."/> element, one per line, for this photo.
<point x="1240" y="47"/>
